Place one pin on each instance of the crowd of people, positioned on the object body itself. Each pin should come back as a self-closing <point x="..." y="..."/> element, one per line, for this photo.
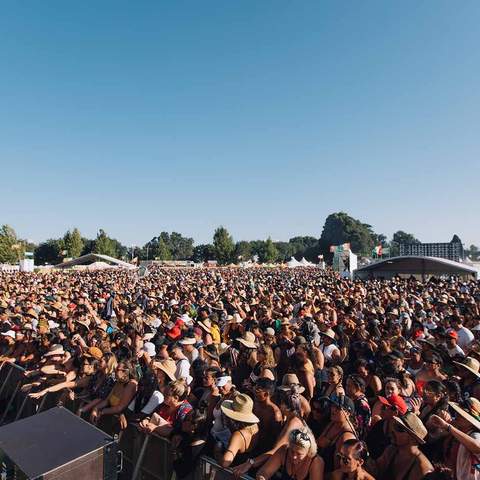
<point x="296" y="374"/>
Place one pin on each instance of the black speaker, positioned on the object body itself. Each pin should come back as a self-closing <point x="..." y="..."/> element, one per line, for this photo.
<point x="56" y="445"/>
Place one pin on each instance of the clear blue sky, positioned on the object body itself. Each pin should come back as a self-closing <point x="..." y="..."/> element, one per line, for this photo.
<point x="264" y="116"/>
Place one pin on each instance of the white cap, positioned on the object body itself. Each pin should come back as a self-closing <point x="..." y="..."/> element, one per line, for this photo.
<point x="9" y="333"/>
<point x="222" y="381"/>
<point x="149" y="347"/>
<point x="173" y="302"/>
<point x="156" y="323"/>
<point x="270" y="331"/>
<point x="186" y="319"/>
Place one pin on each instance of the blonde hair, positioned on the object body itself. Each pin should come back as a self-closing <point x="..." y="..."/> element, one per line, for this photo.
<point x="267" y="351"/>
<point x="111" y="362"/>
<point x="178" y="388"/>
<point x="304" y="438"/>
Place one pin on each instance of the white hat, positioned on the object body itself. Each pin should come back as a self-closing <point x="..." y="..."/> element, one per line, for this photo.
<point x="52" y="324"/>
<point x="156" y="323"/>
<point x="149" y="347"/>
<point x="172" y="302"/>
<point x="186" y="319"/>
<point x="9" y="333"/>
<point x="222" y="381"/>
<point x="270" y="331"/>
<point x="148" y="336"/>
<point x="235" y="318"/>
<point x="188" y="341"/>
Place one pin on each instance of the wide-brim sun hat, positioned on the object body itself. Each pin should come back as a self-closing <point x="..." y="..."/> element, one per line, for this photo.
<point x="55" y="350"/>
<point x="472" y="416"/>
<point x="168" y="367"/>
<point x="289" y="380"/>
<point x="206" y="325"/>
<point x="328" y="333"/>
<point x="413" y="425"/>
<point x="248" y="340"/>
<point x="240" y="409"/>
<point x="470" y="364"/>
<point x="188" y="341"/>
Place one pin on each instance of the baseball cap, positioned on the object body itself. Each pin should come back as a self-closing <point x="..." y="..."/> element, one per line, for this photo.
<point x="223" y="380"/>
<point x="395" y="401"/>
<point x="452" y="334"/>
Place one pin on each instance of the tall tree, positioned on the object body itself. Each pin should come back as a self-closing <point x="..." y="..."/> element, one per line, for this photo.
<point x="203" y="253"/>
<point x="104" y="244"/>
<point x="243" y="251"/>
<point x="401" y="237"/>
<point x="340" y="228"/>
<point x="73" y="243"/>
<point x="49" y="252"/>
<point x="11" y="248"/>
<point x="224" y="246"/>
<point x="270" y="252"/>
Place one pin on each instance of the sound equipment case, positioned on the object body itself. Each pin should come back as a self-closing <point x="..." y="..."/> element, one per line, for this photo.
<point x="56" y="445"/>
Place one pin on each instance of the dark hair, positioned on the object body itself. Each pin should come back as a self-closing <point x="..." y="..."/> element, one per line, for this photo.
<point x="436" y="387"/>
<point x="266" y="384"/>
<point x="360" y="450"/>
<point x="453" y="387"/>
<point x="198" y="418"/>
<point x="358" y="381"/>
<point x="291" y="399"/>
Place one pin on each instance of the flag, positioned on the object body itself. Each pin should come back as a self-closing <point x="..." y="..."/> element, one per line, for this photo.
<point x="378" y="250"/>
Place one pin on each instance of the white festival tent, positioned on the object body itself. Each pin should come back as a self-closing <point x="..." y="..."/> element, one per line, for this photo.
<point x="293" y="262"/>
<point x="306" y="263"/>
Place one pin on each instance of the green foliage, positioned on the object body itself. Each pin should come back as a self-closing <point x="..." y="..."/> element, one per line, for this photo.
<point x="49" y="252"/>
<point x="243" y="251"/>
<point x="73" y="243"/>
<point x="105" y="245"/>
<point x="168" y="246"/>
<point x="224" y="246"/>
<point x="473" y="252"/>
<point x="203" y="253"/>
<point x="340" y="228"/>
<point x="11" y="248"/>
<point x="270" y="252"/>
<point x="401" y="237"/>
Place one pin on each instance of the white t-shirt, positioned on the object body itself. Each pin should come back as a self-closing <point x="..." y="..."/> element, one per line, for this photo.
<point x="183" y="370"/>
<point x="452" y="352"/>
<point x="466" y="461"/>
<point x="465" y="337"/>
<point x="155" y="400"/>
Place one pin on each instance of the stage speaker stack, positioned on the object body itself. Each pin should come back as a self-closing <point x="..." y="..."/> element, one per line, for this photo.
<point x="56" y="445"/>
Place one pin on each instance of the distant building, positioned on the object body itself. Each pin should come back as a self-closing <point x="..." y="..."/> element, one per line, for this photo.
<point x="451" y="251"/>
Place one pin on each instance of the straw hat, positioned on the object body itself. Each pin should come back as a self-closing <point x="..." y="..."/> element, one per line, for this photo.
<point x="248" y="340"/>
<point x="94" y="352"/>
<point x="206" y="325"/>
<point x="84" y="323"/>
<point x="58" y="306"/>
<point x="473" y="413"/>
<point x="55" y="350"/>
<point x="240" y="409"/>
<point x="32" y="313"/>
<point x="414" y="426"/>
<point x="289" y="380"/>
<point x="168" y="367"/>
<point x="470" y="364"/>
<point x="328" y="333"/>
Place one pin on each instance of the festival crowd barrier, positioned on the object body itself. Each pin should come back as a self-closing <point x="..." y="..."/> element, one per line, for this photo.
<point x="145" y="456"/>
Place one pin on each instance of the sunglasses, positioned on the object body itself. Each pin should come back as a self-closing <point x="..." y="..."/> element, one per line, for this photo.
<point x="344" y="459"/>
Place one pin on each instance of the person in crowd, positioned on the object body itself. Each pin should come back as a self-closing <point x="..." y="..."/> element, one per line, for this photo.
<point x="352" y="457"/>
<point x="333" y="387"/>
<point x="122" y="393"/>
<point x="373" y="384"/>
<point x="403" y="460"/>
<point x="356" y="387"/>
<point x="297" y="459"/>
<point x="341" y="428"/>
<point x="469" y="372"/>
<point x="463" y="439"/>
<point x="243" y="424"/>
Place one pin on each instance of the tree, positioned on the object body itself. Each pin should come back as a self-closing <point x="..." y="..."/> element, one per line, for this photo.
<point x="270" y="252"/>
<point x="105" y="245"/>
<point x="285" y="250"/>
<point x="73" y="243"/>
<point x="11" y="248"/>
<point x="49" y="252"/>
<point x="203" y="253"/>
<point x="473" y="253"/>
<point x="243" y="251"/>
<point x="401" y="237"/>
<point x="224" y="246"/>
<point x="162" y="251"/>
<point x="340" y="228"/>
<point x="181" y="247"/>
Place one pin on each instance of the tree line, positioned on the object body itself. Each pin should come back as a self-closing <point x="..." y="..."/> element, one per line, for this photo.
<point x="339" y="228"/>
